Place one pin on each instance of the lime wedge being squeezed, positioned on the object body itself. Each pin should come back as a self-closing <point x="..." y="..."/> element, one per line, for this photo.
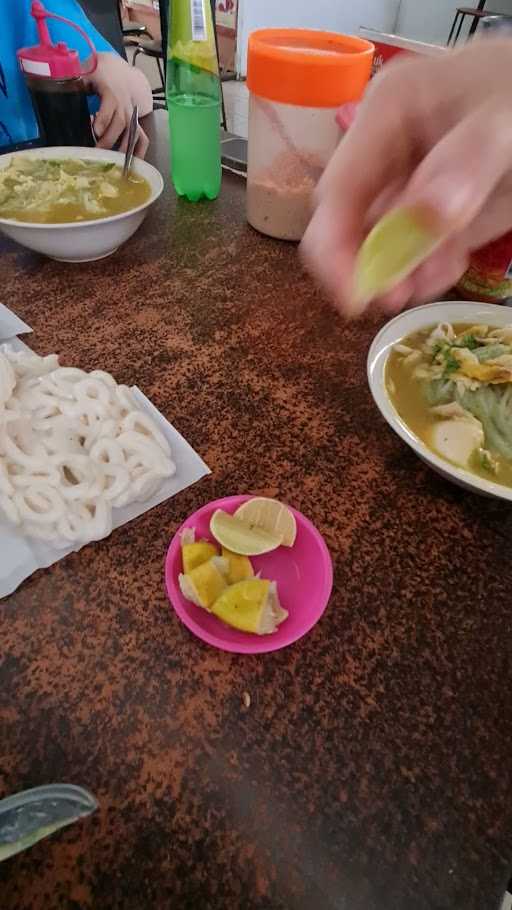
<point x="398" y="243"/>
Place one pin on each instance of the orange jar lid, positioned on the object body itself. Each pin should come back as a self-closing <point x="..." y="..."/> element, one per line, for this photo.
<point x="308" y="67"/>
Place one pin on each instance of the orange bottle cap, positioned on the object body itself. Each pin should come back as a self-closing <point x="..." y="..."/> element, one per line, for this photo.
<point x="308" y="67"/>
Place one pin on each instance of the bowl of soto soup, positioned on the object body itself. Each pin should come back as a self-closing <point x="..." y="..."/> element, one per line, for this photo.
<point x="73" y="204"/>
<point x="441" y="375"/>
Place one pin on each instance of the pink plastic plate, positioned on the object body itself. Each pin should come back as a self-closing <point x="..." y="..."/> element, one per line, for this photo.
<point x="304" y="580"/>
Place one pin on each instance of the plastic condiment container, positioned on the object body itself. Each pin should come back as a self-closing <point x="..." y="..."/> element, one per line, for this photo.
<point x="297" y="79"/>
<point x="55" y="79"/>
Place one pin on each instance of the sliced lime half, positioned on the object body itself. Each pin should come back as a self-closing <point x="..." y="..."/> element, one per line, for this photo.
<point x="397" y="245"/>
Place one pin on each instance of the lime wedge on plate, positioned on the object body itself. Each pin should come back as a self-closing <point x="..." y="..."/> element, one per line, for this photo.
<point x="240" y="537"/>
<point x="269" y="515"/>
<point x="398" y="243"/>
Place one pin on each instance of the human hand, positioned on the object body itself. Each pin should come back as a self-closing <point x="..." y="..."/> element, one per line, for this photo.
<point x="120" y="87"/>
<point x="435" y="134"/>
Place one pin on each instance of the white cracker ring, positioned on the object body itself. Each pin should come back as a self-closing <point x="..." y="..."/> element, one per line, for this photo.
<point x="122" y="499"/>
<point x="143" y="424"/>
<point x="94" y="390"/>
<point x="147" y="451"/>
<point x="41" y="402"/>
<point x="145" y="486"/>
<point x="74" y="523"/>
<point x="48" y="385"/>
<point x="25" y="480"/>
<point x="41" y="504"/>
<point x="66" y="378"/>
<point x="107" y="451"/>
<point x="120" y="481"/>
<point x="102" y="429"/>
<point x="101" y="519"/>
<point x="26" y="363"/>
<point x="105" y="377"/>
<point x="16" y="455"/>
<point x="60" y="436"/>
<point x="28" y="441"/>
<point x="48" y="533"/>
<point x="89" y="476"/>
<point x="126" y="399"/>
<point x="86" y="410"/>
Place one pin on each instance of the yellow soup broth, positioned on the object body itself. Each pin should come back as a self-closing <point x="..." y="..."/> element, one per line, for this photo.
<point x="46" y="191"/>
<point x="415" y="394"/>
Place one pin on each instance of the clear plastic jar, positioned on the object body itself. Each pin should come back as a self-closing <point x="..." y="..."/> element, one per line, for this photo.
<point x="288" y="151"/>
<point x="297" y="80"/>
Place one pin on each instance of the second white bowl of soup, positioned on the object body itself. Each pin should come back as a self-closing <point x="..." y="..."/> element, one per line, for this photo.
<point x="73" y="204"/>
<point x="441" y="375"/>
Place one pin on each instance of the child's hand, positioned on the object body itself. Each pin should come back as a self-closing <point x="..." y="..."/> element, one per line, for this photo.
<point x="120" y="87"/>
<point x="435" y="132"/>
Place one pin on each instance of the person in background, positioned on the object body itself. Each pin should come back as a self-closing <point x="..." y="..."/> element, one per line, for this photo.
<point x="116" y="85"/>
<point x="434" y="132"/>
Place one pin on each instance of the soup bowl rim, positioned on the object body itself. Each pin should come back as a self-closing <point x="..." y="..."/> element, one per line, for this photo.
<point x="141" y="167"/>
<point x="394" y="331"/>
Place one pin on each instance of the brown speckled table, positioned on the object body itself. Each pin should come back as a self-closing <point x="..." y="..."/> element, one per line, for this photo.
<point x="372" y="769"/>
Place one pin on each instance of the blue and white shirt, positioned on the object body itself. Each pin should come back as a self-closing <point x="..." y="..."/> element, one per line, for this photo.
<point x="17" y="120"/>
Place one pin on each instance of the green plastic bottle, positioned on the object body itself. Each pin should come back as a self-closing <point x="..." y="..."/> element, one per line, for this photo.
<point x="193" y="100"/>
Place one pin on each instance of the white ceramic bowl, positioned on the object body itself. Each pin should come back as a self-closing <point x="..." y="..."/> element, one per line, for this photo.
<point x="412" y="321"/>
<point x="82" y="241"/>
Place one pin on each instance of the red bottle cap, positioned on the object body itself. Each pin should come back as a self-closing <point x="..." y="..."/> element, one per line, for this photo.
<point x="53" y="61"/>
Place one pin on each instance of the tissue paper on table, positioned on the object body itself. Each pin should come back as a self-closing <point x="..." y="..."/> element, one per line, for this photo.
<point x="21" y="556"/>
<point x="11" y="325"/>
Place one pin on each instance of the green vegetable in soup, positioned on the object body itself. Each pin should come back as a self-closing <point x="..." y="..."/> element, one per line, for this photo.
<point x="492" y="406"/>
<point x="452" y="385"/>
<point x="53" y="191"/>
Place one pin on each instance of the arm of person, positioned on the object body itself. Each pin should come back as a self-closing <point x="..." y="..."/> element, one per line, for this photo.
<point x="433" y="133"/>
<point x="119" y="86"/>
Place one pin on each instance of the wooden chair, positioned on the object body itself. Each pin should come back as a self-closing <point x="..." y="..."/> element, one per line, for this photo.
<point x="105" y="15"/>
<point x="477" y="13"/>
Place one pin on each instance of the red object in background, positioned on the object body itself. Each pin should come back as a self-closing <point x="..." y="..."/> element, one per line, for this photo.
<point x="384" y="53"/>
<point x="489" y="277"/>
<point x="389" y="46"/>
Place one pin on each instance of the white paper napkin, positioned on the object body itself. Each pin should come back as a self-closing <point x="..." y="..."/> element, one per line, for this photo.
<point x="11" y="325"/>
